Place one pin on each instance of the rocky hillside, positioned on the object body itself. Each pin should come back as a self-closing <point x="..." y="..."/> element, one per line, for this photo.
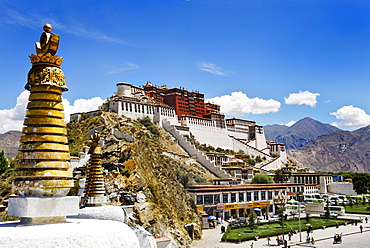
<point x="298" y="134"/>
<point x="9" y="143"/>
<point x="149" y="179"/>
<point x="340" y="151"/>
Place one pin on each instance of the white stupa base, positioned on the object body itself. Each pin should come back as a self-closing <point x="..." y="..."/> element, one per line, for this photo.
<point x="106" y="212"/>
<point x="75" y="233"/>
<point x="95" y="201"/>
<point x="43" y="210"/>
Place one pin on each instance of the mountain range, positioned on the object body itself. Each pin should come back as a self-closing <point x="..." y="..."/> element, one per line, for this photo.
<point x="9" y="143"/>
<point x="323" y="147"/>
<point x="298" y="134"/>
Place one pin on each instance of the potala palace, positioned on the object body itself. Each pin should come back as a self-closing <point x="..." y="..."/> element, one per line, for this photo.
<point x="182" y="112"/>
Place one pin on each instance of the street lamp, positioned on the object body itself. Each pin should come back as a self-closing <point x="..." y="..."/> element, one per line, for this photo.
<point x="299" y="221"/>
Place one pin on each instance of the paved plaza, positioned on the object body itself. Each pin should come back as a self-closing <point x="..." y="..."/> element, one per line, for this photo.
<point x="351" y="237"/>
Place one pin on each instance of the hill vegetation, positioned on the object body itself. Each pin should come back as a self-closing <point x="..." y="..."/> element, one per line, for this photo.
<point x="136" y="148"/>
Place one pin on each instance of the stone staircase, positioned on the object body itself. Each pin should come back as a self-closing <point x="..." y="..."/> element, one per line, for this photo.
<point x="194" y="152"/>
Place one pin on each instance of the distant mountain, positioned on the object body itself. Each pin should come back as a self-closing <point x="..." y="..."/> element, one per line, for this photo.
<point x="298" y="134"/>
<point x="272" y="131"/>
<point x="340" y="151"/>
<point x="9" y="142"/>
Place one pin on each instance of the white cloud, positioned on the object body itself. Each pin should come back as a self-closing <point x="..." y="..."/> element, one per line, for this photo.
<point x="303" y="97"/>
<point x="353" y="117"/>
<point x="212" y="68"/>
<point x="290" y="123"/>
<point x="126" y="66"/>
<point x="81" y="105"/>
<point x="238" y="104"/>
<point x="12" y="119"/>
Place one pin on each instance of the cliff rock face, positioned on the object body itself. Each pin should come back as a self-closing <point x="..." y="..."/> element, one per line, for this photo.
<point x="340" y="151"/>
<point x="141" y="174"/>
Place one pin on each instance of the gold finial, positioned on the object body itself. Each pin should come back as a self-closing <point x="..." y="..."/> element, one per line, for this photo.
<point x="49" y="42"/>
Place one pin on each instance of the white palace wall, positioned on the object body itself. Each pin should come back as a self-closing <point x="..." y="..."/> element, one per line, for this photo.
<point x="206" y="132"/>
<point x="136" y="110"/>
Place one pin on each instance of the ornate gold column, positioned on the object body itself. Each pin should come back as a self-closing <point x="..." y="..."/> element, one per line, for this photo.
<point x="42" y="167"/>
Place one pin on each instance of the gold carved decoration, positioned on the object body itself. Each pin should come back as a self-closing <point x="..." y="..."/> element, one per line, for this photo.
<point x="41" y="75"/>
<point x="46" y="59"/>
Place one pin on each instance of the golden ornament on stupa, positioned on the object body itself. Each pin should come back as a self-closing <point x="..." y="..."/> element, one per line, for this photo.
<point x="43" y="168"/>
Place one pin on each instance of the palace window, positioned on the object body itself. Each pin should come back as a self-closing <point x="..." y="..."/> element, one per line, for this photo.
<point x="256" y="197"/>
<point x="249" y="196"/>
<point x="263" y="195"/>
<point x="233" y="197"/>
<point x="216" y="199"/>
<point x="241" y="197"/>
<point x="208" y="199"/>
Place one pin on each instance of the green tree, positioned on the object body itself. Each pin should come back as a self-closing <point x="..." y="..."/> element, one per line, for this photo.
<point x="282" y="176"/>
<point x="262" y="178"/>
<point x="361" y="183"/>
<point x="252" y="220"/>
<point x="258" y="159"/>
<point x="4" y="163"/>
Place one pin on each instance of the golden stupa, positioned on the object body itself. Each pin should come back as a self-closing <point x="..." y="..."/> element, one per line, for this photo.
<point x="43" y="168"/>
<point x="94" y="189"/>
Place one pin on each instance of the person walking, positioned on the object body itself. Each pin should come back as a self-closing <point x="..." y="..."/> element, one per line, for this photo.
<point x="252" y="245"/>
<point x="366" y="219"/>
<point x="361" y="228"/>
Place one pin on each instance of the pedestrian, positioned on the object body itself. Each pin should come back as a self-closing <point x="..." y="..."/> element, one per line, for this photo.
<point x="252" y="245"/>
<point x="337" y="225"/>
<point x="285" y="243"/>
<point x="268" y="241"/>
<point x="312" y="241"/>
<point x="290" y="236"/>
<point x="361" y="228"/>
<point x="366" y="219"/>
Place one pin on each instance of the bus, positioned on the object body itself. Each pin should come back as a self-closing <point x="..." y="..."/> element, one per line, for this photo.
<point x="339" y="210"/>
<point x="292" y="209"/>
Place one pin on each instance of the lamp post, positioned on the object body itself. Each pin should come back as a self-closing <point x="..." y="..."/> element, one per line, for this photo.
<point x="299" y="221"/>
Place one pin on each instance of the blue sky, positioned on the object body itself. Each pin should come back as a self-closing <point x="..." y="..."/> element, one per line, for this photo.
<point x="273" y="62"/>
